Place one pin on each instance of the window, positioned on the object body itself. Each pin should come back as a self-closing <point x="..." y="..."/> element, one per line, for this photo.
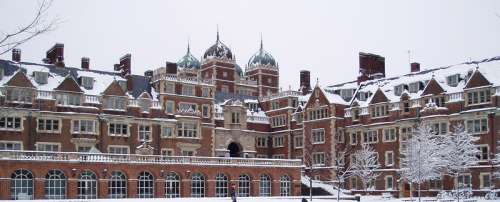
<point x="48" y="147"/>
<point x="464" y="181"/>
<point x="172" y="185"/>
<point x="83" y="149"/>
<point x="435" y="184"/>
<point x="67" y="99"/>
<point x="389" y="135"/>
<point x="169" y="107"/>
<point x="118" y="129"/>
<point x="117" y="185"/>
<point x="188" y="90"/>
<point x="318" y="136"/>
<point x="355" y="114"/>
<point x="278" y="156"/>
<point x="118" y="149"/>
<point x="48" y="125"/>
<point x="405" y="134"/>
<point x="320" y="113"/>
<point x="145" y="133"/>
<point x="389" y="182"/>
<point x="278" y="141"/>
<point x="19" y="95"/>
<point x="439" y="128"/>
<point x="84" y="126"/>
<point x="197" y="185"/>
<point x="87" y="82"/>
<point x="438" y="101"/>
<point x="55" y="185"/>
<point x="205" y="92"/>
<point x="319" y="159"/>
<point x="479" y="97"/>
<point x="297" y="141"/>
<point x="262" y="156"/>
<point x="475" y="126"/>
<point x="187" y="130"/>
<point x="275" y="105"/>
<point x="167" y="131"/>
<point x="187" y="153"/>
<point x="41" y="77"/>
<point x="363" y="96"/>
<point x="414" y="87"/>
<point x="370" y="137"/>
<point x="261" y="142"/>
<point x="10" y="123"/>
<point x="285" y="185"/>
<point x="453" y="80"/>
<point x="278" y="121"/>
<point x="10" y="145"/>
<point x="115" y="103"/>
<point x="167" y="152"/>
<point x="187" y="107"/>
<point x="169" y="87"/>
<point x="221" y="185"/>
<point x="243" y="186"/>
<point x="205" y="109"/>
<point x="224" y="74"/>
<point x="145" y="185"/>
<point x="346" y="94"/>
<point x="389" y="158"/>
<point x="379" y="111"/>
<point x="21" y="185"/>
<point x="398" y="90"/>
<point x="87" y="185"/>
<point x="265" y="185"/>
<point x="484" y="155"/>
<point x="484" y="181"/>
<point x="406" y="106"/>
<point x="235" y="117"/>
<point x="353" y="138"/>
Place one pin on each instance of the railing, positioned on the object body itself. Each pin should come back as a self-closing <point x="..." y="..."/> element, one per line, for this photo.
<point x="188" y="112"/>
<point x="252" y="118"/>
<point x="347" y="112"/>
<point x="173" y="77"/>
<point x="141" y="159"/>
<point x="132" y="102"/>
<point x="156" y="104"/>
<point x="282" y="94"/>
<point x="219" y="115"/>
<point x="364" y="110"/>
<point x="248" y="82"/>
<point x="457" y="97"/>
<point x="91" y="99"/>
<point x="42" y="94"/>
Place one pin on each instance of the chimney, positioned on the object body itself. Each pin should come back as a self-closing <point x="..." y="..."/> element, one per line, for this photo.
<point x="371" y="66"/>
<point x="148" y="73"/>
<point x="16" y="55"/>
<point x="55" y="55"/>
<point x="305" y="81"/>
<point x="124" y="67"/>
<point x="85" y="63"/>
<point x="171" y="68"/>
<point x="415" y="67"/>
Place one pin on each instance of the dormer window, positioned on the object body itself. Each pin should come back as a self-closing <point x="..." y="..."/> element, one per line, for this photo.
<point x="123" y="85"/>
<point x="87" y="82"/>
<point x="414" y="87"/>
<point x="362" y="96"/>
<point x="398" y="90"/>
<point x="346" y="94"/>
<point x="41" y="77"/>
<point x="453" y="80"/>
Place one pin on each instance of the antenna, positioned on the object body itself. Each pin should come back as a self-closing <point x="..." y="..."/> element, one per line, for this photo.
<point x="409" y="58"/>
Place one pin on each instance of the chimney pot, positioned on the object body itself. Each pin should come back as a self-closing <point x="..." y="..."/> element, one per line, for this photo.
<point x="85" y="63"/>
<point x="16" y="55"/>
<point x="305" y="81"/>
<point x="415" y="67"/>
<point x="371" y="66"/>
<point x="55" y="55"/>
<point x="125" y="65"/>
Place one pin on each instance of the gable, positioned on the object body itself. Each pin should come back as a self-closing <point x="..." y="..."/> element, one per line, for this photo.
<point x="114" y="89"/>
<point x="69" y="84"/>
<point x="378" y="97"/>
<point x="433" y="88"/>
<point x="20" y="80"/>
<point x="477" y="80"/>
<point x="145" y="95"/>
<point x="317" y="94"/>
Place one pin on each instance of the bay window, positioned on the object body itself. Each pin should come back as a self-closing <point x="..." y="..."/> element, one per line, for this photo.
<point x="479" y="97"/>
<point x="477" y="126"/>
<point x="67" y="99"/>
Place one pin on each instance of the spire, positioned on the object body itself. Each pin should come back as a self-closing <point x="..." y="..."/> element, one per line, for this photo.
<point x="261" y="43"/>
<point x="189" y="48"/>
<point x="217" y="32"/>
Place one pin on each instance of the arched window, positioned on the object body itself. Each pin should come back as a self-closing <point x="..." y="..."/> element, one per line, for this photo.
<point x="197" y="185"/>
<point x="285" y="185"/>
<point x="221" y="185"/>
<point x="55" y="185"/>
<point x="243" y="186"/>
<point x="87" y="185"/>
<point x="117" y="185"/>
<point x="21" y="185"/>
<point x="265" y="185"/>
<point x="172" y="186"/>
<point x="145" y="185"/>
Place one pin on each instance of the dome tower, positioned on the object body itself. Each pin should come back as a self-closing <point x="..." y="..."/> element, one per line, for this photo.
<point x="263" y="68"/>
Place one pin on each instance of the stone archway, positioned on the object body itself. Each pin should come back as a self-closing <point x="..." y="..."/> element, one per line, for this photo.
<point x="235" y="149"/>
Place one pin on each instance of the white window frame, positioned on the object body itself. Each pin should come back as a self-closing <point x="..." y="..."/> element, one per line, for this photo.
<point x="318" y="158"/>
<point x="187" y="132"/>
<point x="170" y="87"/>
<point x="46" y="122"/>
<point x="87" y="82"/>
<point x="38" y="146"/>
<point x="188" y="90"/>
<point x="478" y="96"/>
<point x="119" y="147"/>
<point x="318" y="136"/>
<point x="261" y="142"/>
<point x="463" y="176"/>
<point x="386" y="158"/>
<point x="163" y="131"/>
<point x="481" y="159"/>
<point x="386" y="182"/>
<point x="470" y="126"/>
<point x="370" y="137"/>
<point x="170" y="107"/>
<point x="298" y="139"/>
<point x="353" y="138"/>
<point x="144" y="133"/>
<point x="482" y="182"/>
<point x="205" y="111"/>
<point x="94" y="125"/>
<point x="5" y="121"/>
<point x="5" y="144"/>
<point x="114" y="132"/>
<point x="278" y="141"/>
<point x="392" y="135"/>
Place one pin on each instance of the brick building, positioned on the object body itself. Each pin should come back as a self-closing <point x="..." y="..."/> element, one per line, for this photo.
<point x="194" y="128"/>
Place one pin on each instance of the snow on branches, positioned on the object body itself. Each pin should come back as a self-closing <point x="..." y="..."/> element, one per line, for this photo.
<point x="364" y="165"/>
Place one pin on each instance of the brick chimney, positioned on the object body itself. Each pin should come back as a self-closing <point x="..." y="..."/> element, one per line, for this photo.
<point x="305" y="81"/>
<point x="171" y="68"/>
<point x="371" y="66"/>
<point x="415" y="67"/>
<point x="55" y="55"/>
<point x="16" y="55"/>
<point x="124" y="67"/>
<point x="85" y="63"/>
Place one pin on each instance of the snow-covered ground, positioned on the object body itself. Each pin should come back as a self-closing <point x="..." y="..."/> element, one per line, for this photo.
<point x="246" y="199"/>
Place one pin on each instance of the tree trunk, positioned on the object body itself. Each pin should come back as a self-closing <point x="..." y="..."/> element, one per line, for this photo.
<point x="418" y="187"/>
<point x="310" y="189"/>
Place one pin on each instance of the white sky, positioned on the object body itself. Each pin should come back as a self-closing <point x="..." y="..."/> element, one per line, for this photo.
<point x="321" y="36"/>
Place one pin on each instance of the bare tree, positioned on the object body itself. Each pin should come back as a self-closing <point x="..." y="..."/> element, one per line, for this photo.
<point x="364" y="165"/>
<point x="341" y="169"/>
<point x="307" y="152"/>
<point x="40" y="24"/>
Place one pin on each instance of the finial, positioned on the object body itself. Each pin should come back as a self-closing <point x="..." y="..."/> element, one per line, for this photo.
<point x="217" y="32"/>
<point x="189" y="48"/>
<point x="317" y="81"/>
<point x="261" y="43"/>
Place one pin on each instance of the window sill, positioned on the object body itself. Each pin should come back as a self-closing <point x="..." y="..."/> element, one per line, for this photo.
<point x="14" y="130"/>
<point x="48" y="131"/>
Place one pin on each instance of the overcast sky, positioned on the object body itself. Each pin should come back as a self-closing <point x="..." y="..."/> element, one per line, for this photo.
<point x="321" y="36"/>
